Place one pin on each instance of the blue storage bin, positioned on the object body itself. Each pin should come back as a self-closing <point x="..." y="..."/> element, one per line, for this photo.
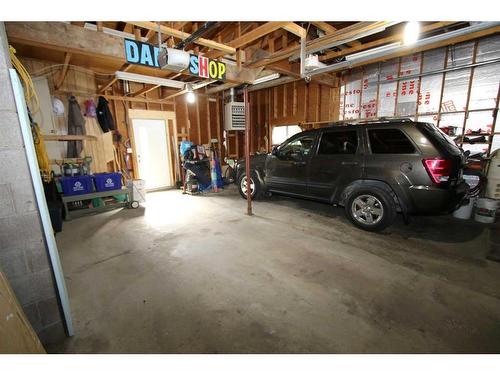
<point x="76" y="185"/>
<point x="107" y="181"/>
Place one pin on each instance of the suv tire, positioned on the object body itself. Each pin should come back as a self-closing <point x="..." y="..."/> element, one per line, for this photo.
<point x="371" y="208"/>
<point x="256" y="188"/>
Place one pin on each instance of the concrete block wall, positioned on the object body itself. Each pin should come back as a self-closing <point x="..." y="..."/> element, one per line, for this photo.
<point x="23" y="253"/>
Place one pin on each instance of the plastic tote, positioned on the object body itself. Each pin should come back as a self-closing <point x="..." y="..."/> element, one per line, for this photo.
<point x="107" y="181"/>
<point x="486" y="210"/>
<point x="465" y="211"/>
<point x="76" y="185"/>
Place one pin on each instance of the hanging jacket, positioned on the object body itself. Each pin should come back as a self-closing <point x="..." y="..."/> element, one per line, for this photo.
<point x="104" y="115"/>
<point x="76" y="126"/>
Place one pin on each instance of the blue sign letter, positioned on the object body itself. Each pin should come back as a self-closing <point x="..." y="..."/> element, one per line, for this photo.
<point x="131" y="51"/>
<point x="193" y="64"/>
<point x="146" y="58"/>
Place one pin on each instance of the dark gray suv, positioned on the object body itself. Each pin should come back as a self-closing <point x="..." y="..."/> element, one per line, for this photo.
<point x="374" y="169"/>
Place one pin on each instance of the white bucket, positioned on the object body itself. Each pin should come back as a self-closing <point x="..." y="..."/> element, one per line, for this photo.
<point x="486" y="210"/>
<point x="465" y="212"/>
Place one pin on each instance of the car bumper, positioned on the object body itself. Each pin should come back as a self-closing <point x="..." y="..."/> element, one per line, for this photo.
<point x="433" y="199"/>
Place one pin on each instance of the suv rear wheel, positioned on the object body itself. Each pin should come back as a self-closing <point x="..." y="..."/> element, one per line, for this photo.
<point x="371" y="209"/>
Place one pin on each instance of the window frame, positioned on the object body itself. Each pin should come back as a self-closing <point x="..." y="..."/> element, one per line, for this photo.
<point x="294" y="137"/>
<point x="358" y="147"/>
<point x="369" y="145"/>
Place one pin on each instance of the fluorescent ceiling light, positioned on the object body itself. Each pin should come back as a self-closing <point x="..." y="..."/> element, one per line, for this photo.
<point x="149" y="80"/>
<point x="269" y="77"/>
<point x="372" y="51"/>
<point x="411" y="33"/>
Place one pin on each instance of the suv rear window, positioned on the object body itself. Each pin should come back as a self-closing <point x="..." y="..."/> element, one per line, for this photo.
<point x="389" y="141"/>
<point x="339" y="142"/>
<point x="440" y="140"/>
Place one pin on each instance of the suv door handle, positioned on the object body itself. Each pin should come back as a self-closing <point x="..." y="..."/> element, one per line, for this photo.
<point x="349" y="163"/>
<point x="299" y="163"/>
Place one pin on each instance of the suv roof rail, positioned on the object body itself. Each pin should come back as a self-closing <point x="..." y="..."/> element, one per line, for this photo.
<point x="379" y="120"/>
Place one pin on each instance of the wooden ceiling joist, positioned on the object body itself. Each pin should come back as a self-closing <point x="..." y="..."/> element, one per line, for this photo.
<point x="318" y="43"/>
<point x="257" y="33"/>
<point x="139" y="99"/>
<point x="146" y="89"/>
<point x="293" y="28"/>
<point x="183" y="35"/>
<point x="329" y="29"/>
<point x="123" y="68"/>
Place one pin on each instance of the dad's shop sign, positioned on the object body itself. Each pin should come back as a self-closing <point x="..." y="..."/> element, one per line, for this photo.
<point x="147" y="54"/>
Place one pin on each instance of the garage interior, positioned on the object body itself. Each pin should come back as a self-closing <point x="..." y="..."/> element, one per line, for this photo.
<point x="164" y="262"/>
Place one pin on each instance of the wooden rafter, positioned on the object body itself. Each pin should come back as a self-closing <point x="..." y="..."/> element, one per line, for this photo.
<point x="329" y="29"/>
<point x="342" y="34"/>
<point x="144" y="90"/>
<point x="123" y="68"/>
<point x="251" y="36"/>
<point x="183" y="35"/>
<point x="293" y="28"/>
<point x="139" y="99"/>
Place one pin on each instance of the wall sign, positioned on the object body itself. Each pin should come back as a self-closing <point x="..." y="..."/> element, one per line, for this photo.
<point x="146" y="54"/>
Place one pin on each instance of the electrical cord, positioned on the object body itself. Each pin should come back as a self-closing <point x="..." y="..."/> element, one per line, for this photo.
<point x="29" y="88"/>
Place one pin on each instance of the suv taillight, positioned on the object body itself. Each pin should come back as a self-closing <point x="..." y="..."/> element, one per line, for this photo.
<point x="439" y="169"/>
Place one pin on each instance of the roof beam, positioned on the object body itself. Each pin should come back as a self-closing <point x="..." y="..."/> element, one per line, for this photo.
<point x="251" y="36"/>
<point x="293" y="28"/>
<point x="60" y="36"/>
<point x="318" y="43"/>
<point x="257" y="33"/>
<point x="329" y="29"/>
<point x="182" y="35"/>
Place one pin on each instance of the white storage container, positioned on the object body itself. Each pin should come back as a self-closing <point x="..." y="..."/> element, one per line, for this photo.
<point x="138" y="190"/>
<point x="486" y="210"/>
<point x="493" y="185"/>
<point x="465" y="212"/>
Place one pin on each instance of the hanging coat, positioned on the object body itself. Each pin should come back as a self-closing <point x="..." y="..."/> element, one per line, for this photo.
<point x="104" y="115"/>
<point x="76" y="126"/>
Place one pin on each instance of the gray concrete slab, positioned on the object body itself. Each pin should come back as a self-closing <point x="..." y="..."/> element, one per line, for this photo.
<point x="194" y="274"/>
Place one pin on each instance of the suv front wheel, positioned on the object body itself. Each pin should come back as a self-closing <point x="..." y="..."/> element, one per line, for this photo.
<point x="371" y="209"/>
<point x="255" y="188"/>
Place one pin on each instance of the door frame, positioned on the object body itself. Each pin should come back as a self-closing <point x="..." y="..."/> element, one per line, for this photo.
<point x="146" y="114"/>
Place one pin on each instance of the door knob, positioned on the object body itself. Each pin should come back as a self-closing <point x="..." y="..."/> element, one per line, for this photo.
<point x="349" y="163"/>
<point x="299" y="163"/>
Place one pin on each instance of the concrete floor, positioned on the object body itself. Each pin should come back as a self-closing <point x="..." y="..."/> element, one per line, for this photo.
<point x="194" y="274"/>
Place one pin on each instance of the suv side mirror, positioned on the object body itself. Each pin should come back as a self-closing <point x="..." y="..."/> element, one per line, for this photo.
<point x="275" y="151"/>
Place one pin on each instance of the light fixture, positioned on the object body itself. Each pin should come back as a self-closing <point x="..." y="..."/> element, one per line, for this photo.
<point x="267" y="78"/>
<point x="411" y="33"/>
<point x="149" y="79"/>
<point x="190" y="96"/>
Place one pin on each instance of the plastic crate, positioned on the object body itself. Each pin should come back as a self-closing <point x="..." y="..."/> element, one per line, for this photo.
<point x="76" y="185"/>
<point x="107" y="181"/>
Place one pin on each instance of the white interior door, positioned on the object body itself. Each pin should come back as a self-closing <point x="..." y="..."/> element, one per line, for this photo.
<point x="151" y="145"/>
